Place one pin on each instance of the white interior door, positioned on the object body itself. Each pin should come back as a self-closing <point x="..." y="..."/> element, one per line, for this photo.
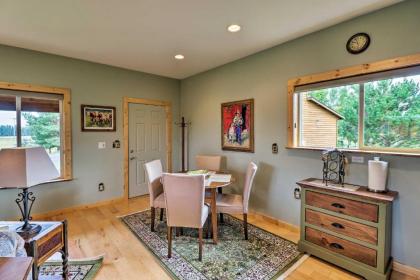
<point x="147" y="142"/>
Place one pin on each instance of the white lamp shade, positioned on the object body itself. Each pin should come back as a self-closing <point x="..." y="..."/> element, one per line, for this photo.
<point x="25" y="167"/>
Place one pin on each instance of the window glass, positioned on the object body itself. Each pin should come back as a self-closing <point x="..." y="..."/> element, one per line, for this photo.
<point x="329" y="117"/>
<point x="7" y="121"/>
<point x="392" y="113"/>
<point x="41" y="126"/>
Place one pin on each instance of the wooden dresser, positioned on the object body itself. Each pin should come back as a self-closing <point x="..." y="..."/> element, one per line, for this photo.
<point x="351" y="229"/>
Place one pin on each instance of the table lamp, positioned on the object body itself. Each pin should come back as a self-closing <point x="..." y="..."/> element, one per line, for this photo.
<point x="22" y="168"/>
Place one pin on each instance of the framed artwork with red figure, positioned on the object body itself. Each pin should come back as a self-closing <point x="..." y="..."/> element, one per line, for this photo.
<point x="238" y="126"/>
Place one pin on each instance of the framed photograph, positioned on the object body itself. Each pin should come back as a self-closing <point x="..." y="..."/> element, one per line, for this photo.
<point x="98" y="118"/>
<point x="238" y="126"/>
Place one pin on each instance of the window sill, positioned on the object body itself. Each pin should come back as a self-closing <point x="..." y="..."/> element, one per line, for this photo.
<point x="59" y="180"/>
<point x="394" y="153"/>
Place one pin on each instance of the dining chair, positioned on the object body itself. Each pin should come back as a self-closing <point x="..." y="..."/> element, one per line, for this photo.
<point x="157" y="198"/>
<point x="184" y="196"/>
<point x="210" y="163"/>
<point x="238" y="204"/>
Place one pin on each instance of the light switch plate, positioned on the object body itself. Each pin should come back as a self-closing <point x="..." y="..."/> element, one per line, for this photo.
<point x="101" y="145"/>
<point x="356" y="159"/>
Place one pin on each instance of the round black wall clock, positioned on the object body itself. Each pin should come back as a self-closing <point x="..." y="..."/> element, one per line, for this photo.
<point x="358" y="43"/>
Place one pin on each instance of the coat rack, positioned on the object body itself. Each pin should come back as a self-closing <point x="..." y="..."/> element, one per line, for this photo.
<point x="183" y="125"/>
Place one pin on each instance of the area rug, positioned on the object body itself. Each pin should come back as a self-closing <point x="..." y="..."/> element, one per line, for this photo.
<point x="78" y="269"/>
<point x="263" y="256"/>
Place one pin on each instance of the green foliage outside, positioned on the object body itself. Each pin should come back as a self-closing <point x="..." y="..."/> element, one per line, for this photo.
<point x="392" y="113"/>
<point x="44" y="129"/>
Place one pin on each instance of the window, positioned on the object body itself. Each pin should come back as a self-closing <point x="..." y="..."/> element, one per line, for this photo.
<point x="29" y="119"/>
<point x="375" y="112"/>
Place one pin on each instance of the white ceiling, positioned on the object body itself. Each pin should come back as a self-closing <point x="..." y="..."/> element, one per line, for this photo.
<point x="144" y="35"/>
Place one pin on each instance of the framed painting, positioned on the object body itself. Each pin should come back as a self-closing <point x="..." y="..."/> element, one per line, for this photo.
<point x="238" y="126"/>
<point x="98" y="118"/>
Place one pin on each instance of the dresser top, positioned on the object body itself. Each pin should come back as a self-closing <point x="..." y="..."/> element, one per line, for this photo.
<point x="362" y="192"/>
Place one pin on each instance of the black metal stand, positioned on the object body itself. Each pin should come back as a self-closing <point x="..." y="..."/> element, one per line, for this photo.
<point x="183" y="125"/>
<point x="25" y="201"/>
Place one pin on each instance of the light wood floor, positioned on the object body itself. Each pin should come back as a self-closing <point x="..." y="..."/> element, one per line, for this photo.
<point x="98" y="231"/>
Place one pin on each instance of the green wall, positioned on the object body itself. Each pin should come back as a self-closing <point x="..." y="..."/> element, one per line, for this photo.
<point x="263" y="76"/>
<point x="90" y="83"/>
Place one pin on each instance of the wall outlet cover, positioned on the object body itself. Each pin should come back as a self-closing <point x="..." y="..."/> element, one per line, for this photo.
<point x="357" y="159"/>
<point x="101" y="145"/>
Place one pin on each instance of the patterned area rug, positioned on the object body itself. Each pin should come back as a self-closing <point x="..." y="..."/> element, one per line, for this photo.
<point x="263" y="256"/>
<point x="78" y="269"/>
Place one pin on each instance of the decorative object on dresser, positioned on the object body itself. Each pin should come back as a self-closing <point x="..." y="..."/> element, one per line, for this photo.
<point x="350" y="228"/>
<point x="51" y="239"/>
<point x="378" y="174"/>
<point x="23" y="168"/>
<point x="333" y="169"/>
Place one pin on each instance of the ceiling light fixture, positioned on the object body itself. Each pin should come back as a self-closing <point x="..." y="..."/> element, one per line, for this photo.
<point x="179" y="56"/>
<point x="234" y="28"/>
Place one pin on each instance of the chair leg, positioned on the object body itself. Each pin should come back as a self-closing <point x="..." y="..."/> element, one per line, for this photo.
<point x="200" y="244"/>
<point x="208" y="232"/>
<point x="152" y="218"/>
<point x="220" y="190"/>
<point x="169" y="242"/>
<point x="246" y="226"/>
<point x="161" y="214"/>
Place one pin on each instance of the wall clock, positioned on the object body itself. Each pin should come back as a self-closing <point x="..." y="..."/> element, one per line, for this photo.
<point x="358" y="43"/>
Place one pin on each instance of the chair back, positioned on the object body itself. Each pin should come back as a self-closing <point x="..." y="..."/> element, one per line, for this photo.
<point x="249" y="179"/>
<point x="184" y="195"/>
<point x="154" y="175"/>
<point x="210" y="163"/>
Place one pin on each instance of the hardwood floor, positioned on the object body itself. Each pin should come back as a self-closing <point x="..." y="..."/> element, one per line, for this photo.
<point x="98" y="231"/>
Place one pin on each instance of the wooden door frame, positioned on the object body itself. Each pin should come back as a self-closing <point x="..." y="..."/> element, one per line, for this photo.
<point x="168" y="110"/>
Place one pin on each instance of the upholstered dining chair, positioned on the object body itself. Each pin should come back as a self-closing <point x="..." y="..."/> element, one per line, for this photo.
<point x="238" y="204"/>
<point x="157" y="198"/>
<point x="210" y="163"/>
<point x="184" y="196"/>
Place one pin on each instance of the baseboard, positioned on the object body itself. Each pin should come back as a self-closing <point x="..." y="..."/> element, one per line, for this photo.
<point x="275" y="221"/>
<point x="57" y="212"/>
<point x="407" y="270"/>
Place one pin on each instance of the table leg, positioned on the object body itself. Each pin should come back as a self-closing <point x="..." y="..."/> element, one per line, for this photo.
<point x="34" y="253"/>
<point x="214" y="214"/>
<point x="65" y="252"/>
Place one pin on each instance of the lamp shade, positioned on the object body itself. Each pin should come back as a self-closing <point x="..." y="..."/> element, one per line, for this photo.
<point x="25" y="167"/>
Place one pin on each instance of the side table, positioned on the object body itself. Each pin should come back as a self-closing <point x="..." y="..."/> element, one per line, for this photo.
<point x="51" y="239"/>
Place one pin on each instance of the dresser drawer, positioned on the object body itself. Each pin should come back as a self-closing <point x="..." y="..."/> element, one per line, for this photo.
<point x="361" y="210"/>
<point x="351" y="229"/>
<point x="346" y="248"/>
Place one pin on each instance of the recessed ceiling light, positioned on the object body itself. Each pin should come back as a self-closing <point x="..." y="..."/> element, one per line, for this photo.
<point x="234" y="28"/>
<point x="179" y="56"/>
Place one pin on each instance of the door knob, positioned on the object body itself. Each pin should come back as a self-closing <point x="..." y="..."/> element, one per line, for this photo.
<point x="132" y="158"/>
<point x="131" y="151"/>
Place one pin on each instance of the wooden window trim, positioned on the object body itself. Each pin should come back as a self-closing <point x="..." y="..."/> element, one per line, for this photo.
<point x="66" y="168"/>
<point x="352" y="71"/>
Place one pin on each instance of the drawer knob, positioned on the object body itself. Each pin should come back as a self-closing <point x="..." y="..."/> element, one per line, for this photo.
<point x="336" y="246"/>
<point x="337" y="225"/>
<point x="338" y="205"/>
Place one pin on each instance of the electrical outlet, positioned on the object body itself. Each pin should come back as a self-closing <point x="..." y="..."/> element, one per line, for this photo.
<point x="101" y="187"/>
<point x="356" y="159"/>
<point x="101" y="145"/>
